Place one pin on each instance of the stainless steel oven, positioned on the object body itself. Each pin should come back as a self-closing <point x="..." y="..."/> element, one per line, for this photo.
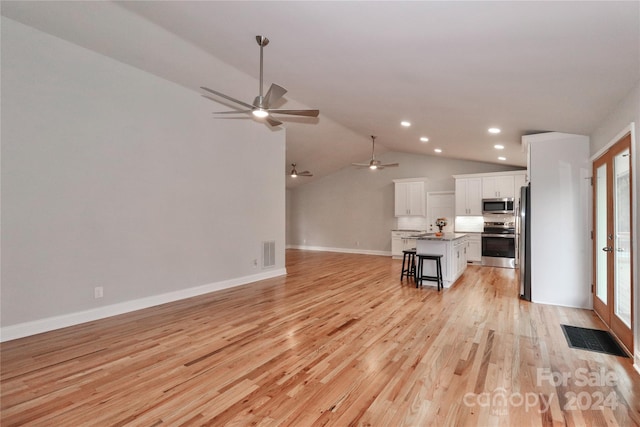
<point x="499" y="244"/>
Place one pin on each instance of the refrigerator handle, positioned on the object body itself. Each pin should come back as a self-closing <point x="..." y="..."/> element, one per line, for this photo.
<point x="517" y="242"/>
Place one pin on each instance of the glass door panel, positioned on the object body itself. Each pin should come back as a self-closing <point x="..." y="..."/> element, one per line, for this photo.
<point x="601" y="232"/>
<point x="622" y="227"/>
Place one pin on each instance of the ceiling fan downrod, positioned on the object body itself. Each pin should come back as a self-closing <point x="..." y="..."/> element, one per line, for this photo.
<point x="373" y="147"/>
<point x="262" y="42"/>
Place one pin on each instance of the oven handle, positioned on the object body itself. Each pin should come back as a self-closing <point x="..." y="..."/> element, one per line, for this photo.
<point x="505" y="236"/>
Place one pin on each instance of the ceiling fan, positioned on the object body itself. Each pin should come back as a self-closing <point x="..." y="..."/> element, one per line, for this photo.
<point x="261" y="107"/>
<point x="373" y="163"/>
<point x="294" y="173"/>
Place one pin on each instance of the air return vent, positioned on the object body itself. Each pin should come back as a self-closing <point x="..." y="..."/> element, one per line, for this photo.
<point x="268" y="254"/>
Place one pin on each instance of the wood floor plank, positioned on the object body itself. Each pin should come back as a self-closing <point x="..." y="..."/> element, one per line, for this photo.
<point x="338" y="341"/>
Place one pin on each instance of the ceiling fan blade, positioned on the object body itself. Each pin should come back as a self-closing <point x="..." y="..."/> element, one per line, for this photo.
<point x="273" y="122"/>
<point x="390" y="165"/>
<point x="210" y="98"/>
<point x="308" y="113"/>
<point x="305" y="173"/>
<point x="244" y="104"/>
<point x="232" y="112"/>
<point x="274" y="93"/>
<point x="361" y="165"/>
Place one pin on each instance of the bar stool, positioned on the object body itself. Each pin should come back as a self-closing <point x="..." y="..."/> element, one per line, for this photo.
<point x="408" y="257"/>
<point x="437" y="278"/>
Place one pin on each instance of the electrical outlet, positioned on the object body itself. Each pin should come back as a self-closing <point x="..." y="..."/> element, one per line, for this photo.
<point x="255" y="262"/>
<point x="98" y="292"/>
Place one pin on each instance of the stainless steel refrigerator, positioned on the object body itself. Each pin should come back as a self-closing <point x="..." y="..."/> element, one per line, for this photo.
<point x="524" y="249"/>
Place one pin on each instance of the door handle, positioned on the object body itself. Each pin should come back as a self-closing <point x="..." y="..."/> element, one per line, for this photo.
<point x="607" y="249"/>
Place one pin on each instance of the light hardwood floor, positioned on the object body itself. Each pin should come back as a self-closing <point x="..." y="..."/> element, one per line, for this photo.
<point x="340" y="341"/>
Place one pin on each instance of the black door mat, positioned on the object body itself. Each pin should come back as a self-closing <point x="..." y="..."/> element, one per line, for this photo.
<point x="593" y="340"/>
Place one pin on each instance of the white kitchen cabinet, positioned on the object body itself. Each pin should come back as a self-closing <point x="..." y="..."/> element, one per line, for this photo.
<point x="409" y="243"/>
<point x="460" y="257"/>
<point x="501" y="186"/>
<point x="409" y="198"/>
<point x="468" y="196"/>
<point x="519" y="181"/>
<point x="397" y="246"/>
<point x="474" y="247"/>
<point x="402" y="240"/>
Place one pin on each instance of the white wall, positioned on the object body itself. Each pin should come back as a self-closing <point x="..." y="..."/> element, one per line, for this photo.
<point x="114" y="177"/>
<point x="559" y="175"/>
<point x="353" y="209"/>
<point x="626" y="117"/>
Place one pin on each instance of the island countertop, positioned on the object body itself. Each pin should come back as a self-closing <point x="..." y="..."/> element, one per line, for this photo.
<point x="448" y="237"/>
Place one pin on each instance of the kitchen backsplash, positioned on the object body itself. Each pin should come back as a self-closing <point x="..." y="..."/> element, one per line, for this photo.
<point x="423" y="223"/>
<point x="412" y="223"/>
<point x="499" y="218"/>
<point x="461" y="224"/>
<point x="469" y="224"/>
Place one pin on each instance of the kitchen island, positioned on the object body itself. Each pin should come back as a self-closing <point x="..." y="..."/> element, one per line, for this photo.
<point x="452" y="247"/>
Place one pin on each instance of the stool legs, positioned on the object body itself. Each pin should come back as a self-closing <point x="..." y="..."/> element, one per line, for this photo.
<point x="438" y="278"/>
<point x="404" y="258"/>
<point x="408" y="265"/>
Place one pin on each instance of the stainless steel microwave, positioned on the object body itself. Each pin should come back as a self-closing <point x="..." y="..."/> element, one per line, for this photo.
<point x="498" y="206"/>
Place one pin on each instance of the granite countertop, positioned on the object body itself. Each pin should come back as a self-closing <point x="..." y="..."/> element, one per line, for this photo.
<point x="445" y="236"/>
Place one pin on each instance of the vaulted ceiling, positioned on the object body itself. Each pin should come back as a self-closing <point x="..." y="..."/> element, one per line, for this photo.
<point x="453" y="69"/>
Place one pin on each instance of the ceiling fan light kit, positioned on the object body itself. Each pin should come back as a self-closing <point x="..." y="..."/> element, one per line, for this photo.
<point x="260" y="108"/>
<point x="373" y="163"/>
<point x="260" y="113"/>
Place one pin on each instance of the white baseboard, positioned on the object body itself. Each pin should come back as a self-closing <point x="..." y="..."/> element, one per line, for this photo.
<point x="341" y="250"/>
<point x="586" y="307"/>
<point x="25" y="329"/>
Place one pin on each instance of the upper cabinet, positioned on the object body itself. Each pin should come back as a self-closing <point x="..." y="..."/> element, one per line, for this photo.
<point x="494" y="187"/>
<point x="519" y="181"/>
<point x="472" y="188"/>
<point x="468" y="196"/>
<point x="409" y="198"/>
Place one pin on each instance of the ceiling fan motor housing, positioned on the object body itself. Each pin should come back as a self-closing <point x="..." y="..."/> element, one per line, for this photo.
<point x="258" y="102"/>
<point x="262" y="41"/>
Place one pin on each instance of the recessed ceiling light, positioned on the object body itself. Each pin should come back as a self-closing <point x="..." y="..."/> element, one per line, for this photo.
<point x="405" y="123"/>
<point x="424" y="139"/>
<point x="438" y="150"/>
<point x="498" y="147"/>
<point x="502" y="158"/>
<point x="494" y="130"/>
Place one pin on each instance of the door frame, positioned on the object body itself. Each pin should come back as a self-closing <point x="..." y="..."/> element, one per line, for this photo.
<point x="629" y="129"/>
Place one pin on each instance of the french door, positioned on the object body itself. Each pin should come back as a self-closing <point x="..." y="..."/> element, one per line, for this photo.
<point x="612" y="250"/>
